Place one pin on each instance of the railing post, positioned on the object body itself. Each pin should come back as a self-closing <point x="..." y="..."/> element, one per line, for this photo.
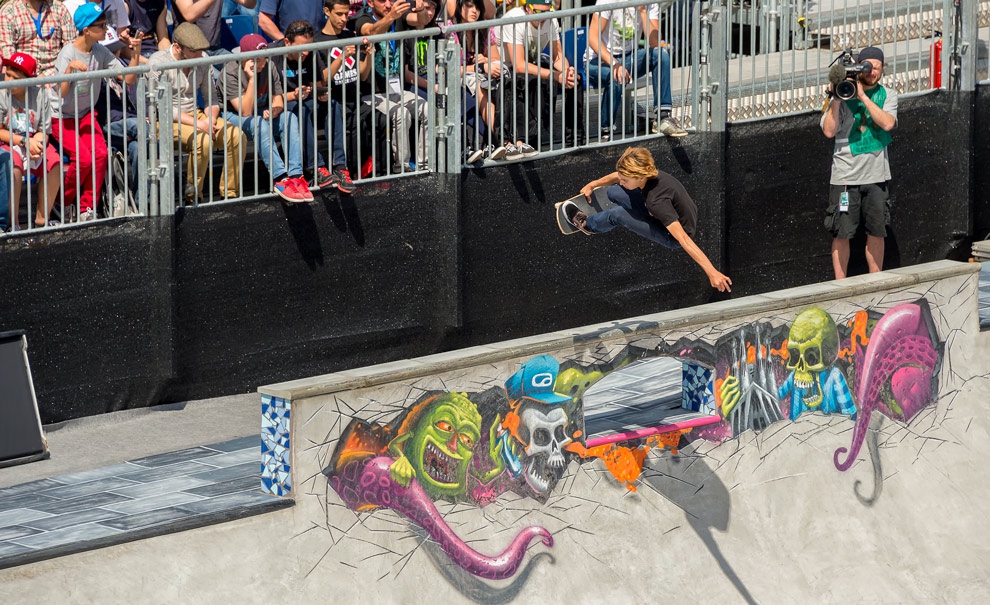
<point x="961" y="21"/>
<point x="448" y="132"/>
<point x="712" y="64"/>
<point x="163" y="165"/>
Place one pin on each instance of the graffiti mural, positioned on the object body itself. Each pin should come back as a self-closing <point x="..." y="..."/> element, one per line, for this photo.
<point x="521" y="435"/>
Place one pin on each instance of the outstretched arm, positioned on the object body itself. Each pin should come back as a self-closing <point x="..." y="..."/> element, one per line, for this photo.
<point x="719" y="282"/>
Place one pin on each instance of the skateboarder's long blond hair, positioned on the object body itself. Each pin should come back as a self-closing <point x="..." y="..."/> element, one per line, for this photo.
<point x="636" y="163"/>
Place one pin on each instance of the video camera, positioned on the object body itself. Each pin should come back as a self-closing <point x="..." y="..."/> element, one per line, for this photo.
<point x="844" y="73"/>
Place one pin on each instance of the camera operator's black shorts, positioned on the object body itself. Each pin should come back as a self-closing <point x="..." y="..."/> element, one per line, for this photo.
<point x="867" y="203"/>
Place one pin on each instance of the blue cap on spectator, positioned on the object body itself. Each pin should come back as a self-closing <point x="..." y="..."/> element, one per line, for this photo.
<point x="86" y="14"/>
<point x="535" y="380"/>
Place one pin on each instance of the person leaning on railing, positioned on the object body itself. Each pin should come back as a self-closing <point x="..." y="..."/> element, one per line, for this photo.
<point x="345" y="69"/>
<point x="540" y="78"/>
<point x="388" y="95"/>
<point x="613" y="57"/>
<point x="256" y="103"/>
<point x="481" y="74"/>
<point x="302" y="74"/>
<point x="199" y="131"/>
<point x="74" y="123"/>
<point x="25" y="123"/>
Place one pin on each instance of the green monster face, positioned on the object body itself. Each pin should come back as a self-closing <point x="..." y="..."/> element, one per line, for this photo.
<point x="812" y="346"/>
<point x="442" y="444"/>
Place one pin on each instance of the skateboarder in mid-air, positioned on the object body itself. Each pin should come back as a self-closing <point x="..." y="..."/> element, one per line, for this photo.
<point x="651" y="204"/>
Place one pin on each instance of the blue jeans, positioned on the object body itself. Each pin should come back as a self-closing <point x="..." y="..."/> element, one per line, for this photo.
<point x="5" y="177"/>
<point x="261" y="131"/>
<point x="636" y="65"/>
<point x="631" y="213"/>
<point x="126" y="130"/>
<point x="307" y="125"/>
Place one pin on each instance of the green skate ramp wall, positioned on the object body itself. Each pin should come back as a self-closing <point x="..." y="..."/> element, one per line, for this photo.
<point x="822" y="442"/>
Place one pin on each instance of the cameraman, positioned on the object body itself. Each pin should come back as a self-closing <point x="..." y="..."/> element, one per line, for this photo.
<point x="860" y="168"/>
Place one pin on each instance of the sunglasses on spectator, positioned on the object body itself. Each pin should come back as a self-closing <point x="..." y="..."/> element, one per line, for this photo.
<point x="546" y="9"/>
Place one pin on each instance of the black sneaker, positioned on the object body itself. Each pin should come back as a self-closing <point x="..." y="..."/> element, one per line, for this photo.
<point x="473" y="155"/>
<point x="324" y="178"/>
<point x="342" y="181"/>
<point x="575" y="217"/>
<point x="606" y="135"/>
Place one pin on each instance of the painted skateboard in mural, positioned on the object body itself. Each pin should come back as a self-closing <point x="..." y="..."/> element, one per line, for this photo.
<point x="599" y="202"/>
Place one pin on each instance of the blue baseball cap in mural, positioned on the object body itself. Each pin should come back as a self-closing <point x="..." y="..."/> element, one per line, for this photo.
<point x="535" y="380"/>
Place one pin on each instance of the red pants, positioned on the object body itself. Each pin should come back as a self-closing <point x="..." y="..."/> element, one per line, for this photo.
<point x="83" y="141"/>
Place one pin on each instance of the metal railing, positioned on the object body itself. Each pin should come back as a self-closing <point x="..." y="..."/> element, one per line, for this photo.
<point x="728" y="61"/>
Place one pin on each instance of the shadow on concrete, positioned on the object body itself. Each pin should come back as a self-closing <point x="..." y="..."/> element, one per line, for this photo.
<point x="304" y="233"/>
<point x="471" y="586"/>
<point x="691" y="485"/>
<point x="343" y="213"/>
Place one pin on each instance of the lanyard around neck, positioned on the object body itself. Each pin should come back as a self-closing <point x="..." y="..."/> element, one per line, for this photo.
<point x="41" y="19"/>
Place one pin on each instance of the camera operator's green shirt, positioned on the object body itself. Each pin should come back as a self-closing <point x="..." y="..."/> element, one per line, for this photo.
<point x="865" y="136"/>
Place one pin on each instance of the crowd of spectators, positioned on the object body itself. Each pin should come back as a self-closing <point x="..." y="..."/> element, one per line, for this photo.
<point x="369" y="99"/>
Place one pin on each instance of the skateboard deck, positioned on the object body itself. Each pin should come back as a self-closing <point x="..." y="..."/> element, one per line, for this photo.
<point x="599" y="202"/>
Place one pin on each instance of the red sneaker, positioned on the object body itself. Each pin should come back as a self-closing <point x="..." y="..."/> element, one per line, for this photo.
<point x="287" y="190"/>
<point x="367" y="168"/>
<point x="302" y="189"/>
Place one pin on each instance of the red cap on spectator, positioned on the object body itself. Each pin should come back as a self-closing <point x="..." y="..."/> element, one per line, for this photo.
<point x="253" y="42"/>
<point x="23" y="63"/>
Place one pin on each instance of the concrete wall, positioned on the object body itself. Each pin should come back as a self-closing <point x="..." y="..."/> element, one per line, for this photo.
<point x="756" y="515"/>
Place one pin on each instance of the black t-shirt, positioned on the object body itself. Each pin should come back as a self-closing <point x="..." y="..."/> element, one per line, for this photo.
<point x="346" y="84"/>
<point x="417" y="56"/>
<point x="668" y="201"/>
<point x="144" y="16"/>
<point x="298" y="72"/>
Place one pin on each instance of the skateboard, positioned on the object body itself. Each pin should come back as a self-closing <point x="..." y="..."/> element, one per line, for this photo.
<point x="599" y="202"/>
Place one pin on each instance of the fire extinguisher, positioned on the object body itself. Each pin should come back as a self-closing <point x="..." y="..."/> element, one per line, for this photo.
<point x="935" y="61"/>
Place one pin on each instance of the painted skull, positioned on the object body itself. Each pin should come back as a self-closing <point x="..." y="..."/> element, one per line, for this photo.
<point x="812" y="347"/>
<point x="541" y="428"/>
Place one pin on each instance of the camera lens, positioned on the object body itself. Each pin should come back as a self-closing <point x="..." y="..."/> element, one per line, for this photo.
<point x="846" y="89"/>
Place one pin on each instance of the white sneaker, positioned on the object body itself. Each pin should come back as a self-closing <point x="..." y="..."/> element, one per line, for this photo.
<point x="88" y="215"/>
<point x="512" y="153"/>
<point x="474" y="155"/>
<point x="528" y="151"/>
<point x="670" y="128"/>
<point x="497" y="153"/>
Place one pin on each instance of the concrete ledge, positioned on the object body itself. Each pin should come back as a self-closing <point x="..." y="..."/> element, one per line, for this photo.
<point x="670" y="320"/>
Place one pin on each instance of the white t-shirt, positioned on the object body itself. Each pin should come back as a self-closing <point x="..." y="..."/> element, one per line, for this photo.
<point x="623" y="28"/>
<point x="535" y="39"/>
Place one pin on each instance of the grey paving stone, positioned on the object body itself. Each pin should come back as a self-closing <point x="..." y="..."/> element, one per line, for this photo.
<point x="234" y="458"/>
<point x="160" y="516"/>
<point x="97" y="473"/>
<point x="251" y="441"/>
<point x="32" y="486"/>
<point x="69" y="519"/>
<point x="175" y="457"/>
<point x="28" y="500"/>
<point x="228" y="502"/>
<point x="16" y="531"/>
<point x="84" y="489"/>
<point x="241" y="484"/>
<point x="20" y="515"/>
<point x="182" y="469"/>
<point x="175" y="484"/>
<point x="68" y="535"/>
<point x="231" y="472"/>
<point x="8" y="549"/>
<point x="141" y="505"/>
<point x="61" y="507"/>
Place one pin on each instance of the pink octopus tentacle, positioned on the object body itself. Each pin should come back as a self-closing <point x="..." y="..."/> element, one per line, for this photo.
<point x="369" y="483"/>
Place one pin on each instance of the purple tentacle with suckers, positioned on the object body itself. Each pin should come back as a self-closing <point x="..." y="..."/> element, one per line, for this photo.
<point x="366" y="484"/>
<point x="900" y="361"/>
